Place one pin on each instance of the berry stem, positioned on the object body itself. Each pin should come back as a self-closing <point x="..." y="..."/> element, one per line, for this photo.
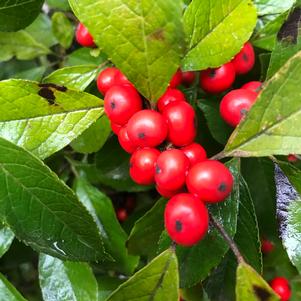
<point x="218" y="156"/>
<point x="228" y="239"/>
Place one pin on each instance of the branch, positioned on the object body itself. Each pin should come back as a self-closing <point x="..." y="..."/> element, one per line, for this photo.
<point x="218" y="156"/>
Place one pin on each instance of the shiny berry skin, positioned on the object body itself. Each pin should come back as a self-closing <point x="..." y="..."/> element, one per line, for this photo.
<point x="236" y="104"/>
<point x="266" y="246"/>
<point x="171" y="95"/>
<point x="147" y="128"/>
<point x="176" y="79"/>
<point x="292" y="158"/>
<point x="83" y="37"/>
<point x="168" y="193"/>
<point x="188" y="77"/>
<point x="181" y="122"/>
<point x="142" y="165"/>
<point x="195" y="153"/>
<point x="244" y="61"/>
<point x="254" y="86"/>
<point x="171" y="169"/>
<point x="217" y="80"/>
<point x="210" y="180"/>
<point x="186" y="219"/>
<point x="125" y="141"/>
<point x="110" y="77"/>
<point x="281" y="287"/>
<point x="115" y="127"/>
<point x="121" y="103"/>
<point x="121" y="214"/>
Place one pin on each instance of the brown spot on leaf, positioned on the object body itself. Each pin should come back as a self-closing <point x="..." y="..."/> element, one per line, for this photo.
<point x="261" y="293"/>
<point x="54" y="86"/>
<point x="159" y="35"/>
<point x="48" y="95"/>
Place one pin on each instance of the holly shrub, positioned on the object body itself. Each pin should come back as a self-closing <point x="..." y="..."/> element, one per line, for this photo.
<point x="150" y="150"/>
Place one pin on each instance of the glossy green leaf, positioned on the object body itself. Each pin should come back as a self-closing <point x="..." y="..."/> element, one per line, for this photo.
<point x="106" y="285"/>
<point x="82" y="56"/>
<point x="216" y="31"/>
<point x="62" y="29"/>
<point x="8" y="292"/>
<point x="75" y="77"/>
<point x="146" y="232"/>
<point x="6" y="239"/>
<point x="144" y="39"/>
<point x="34" y="74"/>
<point x="66" y="281"/>
<point x="250" y="286"/>
<point x="17" y="14"/>
<point x="157" y="281"/>
<point x="272" y="7"/>
<point x="272" y="125"/>
<point x="113" y="236"/>
<point x="93" y="139"/>
<point x="42" y="211"/>
<point x="21" y="45"/>
<point x="44" y="124"/>
<point x="58" y="4"/>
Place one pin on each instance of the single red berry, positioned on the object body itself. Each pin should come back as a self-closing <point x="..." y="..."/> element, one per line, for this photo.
<point x="254" y="86"/>
<point x="121" y="214"/>
<point x="281" y="287"/>
<point x="186" y="219"/>
<point x="171" y="95"/>
<point x="125" y="141"/>
<point x="83" y="37"/>
<point x="121" y="103"/>
<point x="176" y="79"/>
<point x="147" y="128"/>
<point x="266" y="246"/>
<point x="236" y="104"/>
<point x="110" y="77"/>
<point x="171" y="169"/>
<point x="115" y="127"/>
<point x="195" y="153"/>
<point x="210" y="180"/>
<point x="244" y="61"/>
<point x="168" y="193"/>
<point x="181" y="122"/>
<point x="188" y="77"/>
<point x="292" y="158"/>
<point x="142" y="165"/>
<point x="217" y="80"/>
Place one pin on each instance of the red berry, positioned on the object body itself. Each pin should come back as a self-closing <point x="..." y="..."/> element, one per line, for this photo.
<point x="110" y="77"/>
<point x="244" y="61"/>
<point x="181" y="122"/>
<point x="147" y="128"/>
<point x="168" y="193"/>
<point x="217" y="80"/>
<point x="254" y="86"/>
<point x="83" y="36"/>
<point x="236" y="104"/>
<point x="122" y="214"/>
<point x="266" y="246"/>
<point x="171" y="95"/>
<point x="195" y="153"/>
<point x="125" y="141"/>
<point x="121" y="103"/>
<point x="281" y="287"/>
<point x="210" y="180"/>
<point x="186" y="219"/>
<point x="171" y="169"/>
<point x="188" y="77"/>
<point x="176" y="79"/>
<point x="292" y="158"/>
<point x="115" y="127"/>
<point x="142" y="165"/>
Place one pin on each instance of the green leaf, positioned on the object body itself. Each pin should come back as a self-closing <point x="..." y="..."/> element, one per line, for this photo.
<point x="75" y="77"/>
<point x="58" y="4"/>
<point x="82" y="56"/>
<point x="146" y="232"/>
<point x="106" y="285"/>
<point x="42" y="211"/>
<point x="34" y="74"/>
<point x="62" y="29"/>
<point x="216" y="31"/>
<point x="6" y="239"/>
<point x="21" y="45"/>
<point x="44" y="124"/>
<point x="113" y="236"/>
<point x="66" y="281"/>
<point x="8" y="292"/>
<point x="144" y="39"/>
<point x="157" y="281"/>
<point x="250" y="286"/>
<point x="93" y="139"/>
<point x="272" y="125"/>
<point x="272" y="7"/>
<point x="17" y="14"/>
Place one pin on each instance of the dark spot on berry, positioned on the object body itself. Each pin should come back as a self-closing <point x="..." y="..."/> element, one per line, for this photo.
<point x="245" y="57"/>
<point x="243" y="112"/>
<point x="222" y="187"/>
<point x="157" y="169"/>
<point x="54" y="86"/>
<point x="112" y="105"/>
<point x="212" y="73"/>
<point x="179" y="226"/>
<point x="141" y="135"/>
<point x="261" y="293"/>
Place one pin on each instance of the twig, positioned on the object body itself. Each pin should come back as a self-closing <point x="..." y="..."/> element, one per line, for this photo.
<point x="218" y="156"/>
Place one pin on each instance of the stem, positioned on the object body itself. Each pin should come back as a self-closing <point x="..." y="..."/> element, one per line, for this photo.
<point x="218" y="156"/>
<point x="227" y="238"/>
